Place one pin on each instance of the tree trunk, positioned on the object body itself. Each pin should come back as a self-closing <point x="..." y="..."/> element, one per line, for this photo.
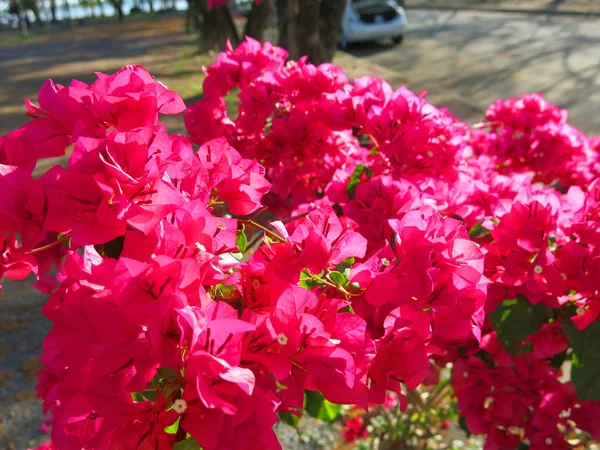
<point x="308" y="37"/>
<point x="332" y="12"/>
<point x="38" y="18"/>
<point x="53" y="10"/>
<point x="310" y="28"/>
<point x="292" y="44"/>
<point x="258" y="20"/>
<point x="67" y="10"/>
<point x="151" y="5"/>
<point x="281" y="7"/>
<point x="23" y="23"/>
<point x="215" y="26"/>
<point x="118" y="5"/>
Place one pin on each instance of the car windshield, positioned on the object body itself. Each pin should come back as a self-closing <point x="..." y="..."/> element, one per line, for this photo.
<point x="378" y="4"/>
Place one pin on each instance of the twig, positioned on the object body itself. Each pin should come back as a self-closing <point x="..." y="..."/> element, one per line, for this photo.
<point x="299" y="216"/>
<point x="52" y="244"/>
<point x="262" y="227"/>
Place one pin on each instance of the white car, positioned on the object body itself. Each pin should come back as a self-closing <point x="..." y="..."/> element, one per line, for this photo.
<point x="371" y="20"/>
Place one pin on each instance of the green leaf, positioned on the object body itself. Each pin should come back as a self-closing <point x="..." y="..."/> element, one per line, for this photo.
<point x="355" y="179"/>
<point x="168" y="374"/>
<point x="585" y="369"/>
<point x="66" y="242"/>
<point x="289" y="418"/>
<point x="307" y="282"/>
<point x="241" y="241"/>
<point x="348" y="308"/>
<point x="345" y="264"/>
<point x="172" y="429"/>
<point x="558" y="360"/>
<point x="188" y="444"/>
<point x="338" y="278"/>
<point x="150" y="394"/>
<point x="478" y="231"/>
<point x="137" y="397"/>
<point x="321" y="409"/>
<point x="462" y="424"/>
<point x="515" y="319"/>
<point x="280" y="386"/>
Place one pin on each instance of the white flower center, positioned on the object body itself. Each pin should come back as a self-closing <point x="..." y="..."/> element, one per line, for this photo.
<point x="488" y="402"/>
<point x="386" y="262"/>
<point x="580" y="311"/>
<point x="180" y="406"/>
<point x="538" y="269"/>
<point x="548" y="441"/>
<point x="282" y="339"/>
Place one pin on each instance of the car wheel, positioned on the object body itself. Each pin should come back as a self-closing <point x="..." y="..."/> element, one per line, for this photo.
<point x="398" y="39"/>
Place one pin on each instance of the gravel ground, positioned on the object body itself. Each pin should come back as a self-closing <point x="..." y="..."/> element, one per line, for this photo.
<point x="22" y="328"/>
<point x="311" y="434"/>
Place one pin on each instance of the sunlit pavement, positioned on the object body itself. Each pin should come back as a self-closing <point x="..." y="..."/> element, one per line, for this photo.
<point x="483" y="56"/>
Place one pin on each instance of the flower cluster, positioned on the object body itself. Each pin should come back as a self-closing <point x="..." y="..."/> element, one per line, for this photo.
<point x="395" y="234"/>
<point x="519" y="397"/>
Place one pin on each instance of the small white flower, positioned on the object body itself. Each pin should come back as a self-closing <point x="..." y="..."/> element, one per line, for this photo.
<point x="282" y="339"/>
<point x="580" y="311"/>
<point x="430" y="154"/>
<point x="200" y="247"/>
<point x="548" y="441"/>
<point x="488" y="402"/>
<point x="180" y="406"/>
<point x="538" y="269"/>
<point x="386" y="262"/>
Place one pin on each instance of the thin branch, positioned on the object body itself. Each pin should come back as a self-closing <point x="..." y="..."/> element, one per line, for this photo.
<point x="53" y="244"/>
<point x="262" y="227"/>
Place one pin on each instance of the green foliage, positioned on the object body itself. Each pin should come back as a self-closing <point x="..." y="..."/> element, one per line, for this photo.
<point x="462" y="424"/>
<point x="149" y="394"/>
<point x="188" y="444"/>
<point x="309" y="282"/>
<point x="168" y="374"/>
<point x="477" y="231"/>
<point x="355" y="179"/>
<point x="514" y="319"/>
<point x="319" y="408"/>
<point x="585" y="369"/>
<point x="172" y="429"/>
<point x="241" y="241"/>
<point x="338" y="278"/>
<point x="289" y="419"/>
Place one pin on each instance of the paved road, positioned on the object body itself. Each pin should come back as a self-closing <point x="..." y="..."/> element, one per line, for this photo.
<point x="484" y="56"/>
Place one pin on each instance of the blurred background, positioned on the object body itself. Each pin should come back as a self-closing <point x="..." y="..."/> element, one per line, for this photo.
<point x="465" y="53"/>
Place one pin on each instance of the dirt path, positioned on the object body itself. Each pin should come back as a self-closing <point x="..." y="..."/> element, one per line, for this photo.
<point x="161" y="46"/>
